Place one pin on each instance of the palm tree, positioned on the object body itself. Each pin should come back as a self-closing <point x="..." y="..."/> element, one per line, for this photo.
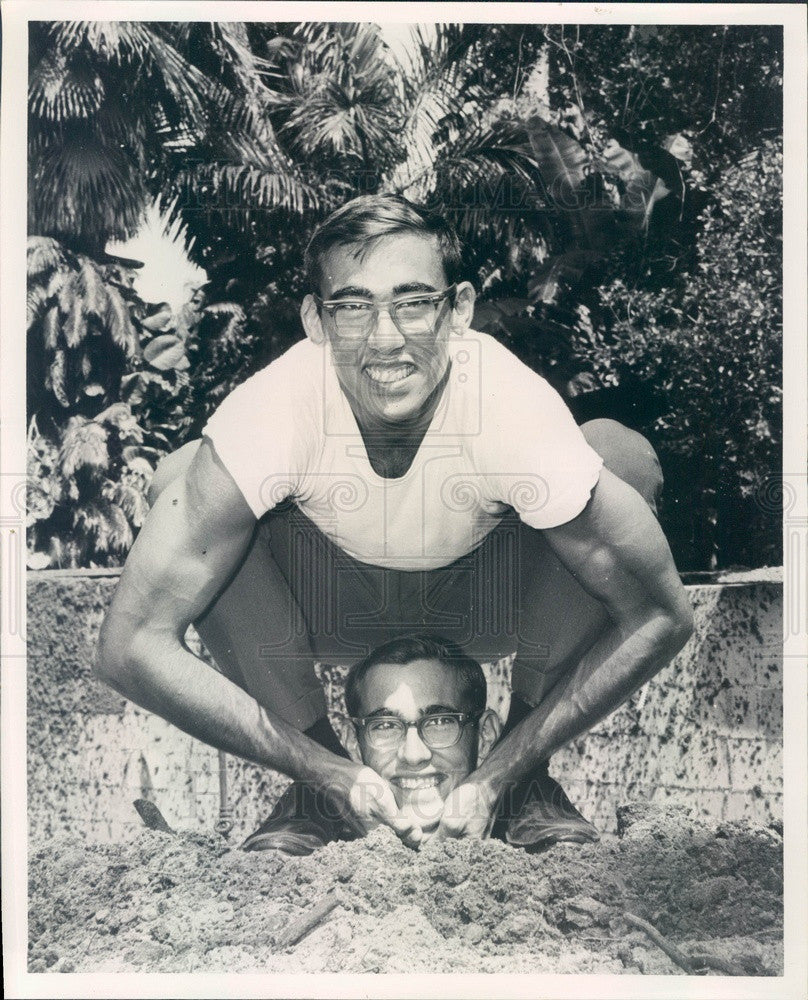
<point x="117" y="108"/>
<point x="100" y="93"/>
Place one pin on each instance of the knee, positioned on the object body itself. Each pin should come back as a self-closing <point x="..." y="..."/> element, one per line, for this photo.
<point x="628" y="455"/>
<point x="170" y="467"/>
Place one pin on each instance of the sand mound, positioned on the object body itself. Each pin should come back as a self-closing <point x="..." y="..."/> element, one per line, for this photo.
<point x="191" y="903"/>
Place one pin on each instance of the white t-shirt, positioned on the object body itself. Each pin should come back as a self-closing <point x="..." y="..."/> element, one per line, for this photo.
<point x="501" y="437"/>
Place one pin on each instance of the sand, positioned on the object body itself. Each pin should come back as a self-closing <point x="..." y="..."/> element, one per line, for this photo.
<point x="188" y="902"/>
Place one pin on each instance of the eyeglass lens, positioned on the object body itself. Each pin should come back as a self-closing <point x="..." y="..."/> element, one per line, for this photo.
<point x="353" y="319"/>
<point x="437" y="731"/>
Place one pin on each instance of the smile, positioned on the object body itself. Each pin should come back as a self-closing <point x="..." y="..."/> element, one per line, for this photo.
<point x="422" y="781"/>
<point x="390" y="374"/>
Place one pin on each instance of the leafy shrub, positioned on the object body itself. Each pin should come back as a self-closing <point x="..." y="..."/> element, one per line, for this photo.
<point x="105" y="399"/>
<point x="623" y="238"/>
<point x="713" y="346"/>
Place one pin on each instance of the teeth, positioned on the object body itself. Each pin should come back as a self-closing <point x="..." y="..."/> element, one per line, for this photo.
<point x="427" y="781"/>
<point x="388" y="374"/>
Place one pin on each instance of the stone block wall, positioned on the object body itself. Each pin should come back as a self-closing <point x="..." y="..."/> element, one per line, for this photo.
<point x="706" y="732"/>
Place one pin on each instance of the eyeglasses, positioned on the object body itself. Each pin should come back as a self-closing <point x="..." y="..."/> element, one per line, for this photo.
<point x="412" y="314"/>
<point x="438" y="731"/>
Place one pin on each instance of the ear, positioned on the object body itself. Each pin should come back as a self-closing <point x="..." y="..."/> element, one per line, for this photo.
<point x="489" y="729"/>
<point x="463" y="310"/>
<point x="312" y="324"/>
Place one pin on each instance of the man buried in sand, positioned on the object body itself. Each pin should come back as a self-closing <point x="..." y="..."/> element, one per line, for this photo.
<point x="396" y="471"/>
<point x="418" y="705"/>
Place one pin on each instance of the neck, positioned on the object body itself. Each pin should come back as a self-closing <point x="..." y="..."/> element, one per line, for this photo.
<point x="391" y="432"/>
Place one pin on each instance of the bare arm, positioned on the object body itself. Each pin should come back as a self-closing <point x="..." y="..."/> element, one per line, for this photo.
<point x="193" y="540"/>
<point x="618" y="553"/>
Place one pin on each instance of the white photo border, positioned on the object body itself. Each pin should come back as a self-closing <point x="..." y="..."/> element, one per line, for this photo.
<point x="18" y="982"/>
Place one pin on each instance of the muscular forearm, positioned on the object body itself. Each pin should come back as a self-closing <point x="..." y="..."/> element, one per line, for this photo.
<point x="164" y="677"/>
<point x="613" y="669"/>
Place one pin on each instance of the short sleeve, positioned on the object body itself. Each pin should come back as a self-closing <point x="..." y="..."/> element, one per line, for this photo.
<point x="538" y="460"/>
<point x="264" y="431"/>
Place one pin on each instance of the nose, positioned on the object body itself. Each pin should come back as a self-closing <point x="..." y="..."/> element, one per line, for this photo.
<point x="385" y="336"/>
<point x="412" y="750"/>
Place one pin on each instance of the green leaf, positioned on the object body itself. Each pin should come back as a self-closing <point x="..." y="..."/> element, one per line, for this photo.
<point x="56" y="379"/>
<point x="562" y="163"/>
<point x="84" y="444"/>
<point x="51" y="328"/>
<point x="166" y="352"/>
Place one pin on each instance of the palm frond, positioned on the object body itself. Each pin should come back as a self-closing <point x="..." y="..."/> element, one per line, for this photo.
<point x="119" y="531"/>
<point x="74" y="315"/>
<point x="129" y="499"/>
<point x="83" y="187"/>
<point x="58" y="90"/>
<point x="142" y="44"/>
<point x="474" y="165"/>
<point x="233" y="319"/>
<point x="118" y="321"/>
<point x="231" y="41"/>
<point x="84" y="444"/>
<point x="43" y="256"/>
<point x="256" y="188"/>
<point x="441" y="99"/>
<point x="92" y="289"/>
<point x="51" y="327"/>
<point x="260" y="151"/>
<point x="86" y="366"/>
<point x="67" y="292"/>
<point x="441" y="78"/>
<point x="56" y="378"/>
<point x="105" y="524"/>
<point x="344" y="94"/>
<point x="37" y="300"/>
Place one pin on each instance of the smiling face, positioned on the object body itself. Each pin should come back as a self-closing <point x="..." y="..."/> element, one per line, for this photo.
<point x="421" y="778"/>
<point x="387" y="376"/>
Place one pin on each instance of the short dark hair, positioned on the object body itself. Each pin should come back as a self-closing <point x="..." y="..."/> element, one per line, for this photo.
<point x="409" y="648"/>
<point x="363" y="220"/>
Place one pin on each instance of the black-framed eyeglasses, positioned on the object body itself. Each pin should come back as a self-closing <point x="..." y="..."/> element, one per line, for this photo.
<point x="438" y="731"/>
<point x="413" y="315"/>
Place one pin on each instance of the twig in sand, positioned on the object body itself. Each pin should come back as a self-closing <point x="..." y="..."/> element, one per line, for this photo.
<point x="673" y="953"/>
<point x="300" y="927"/>
<point x="705" y="961"/>
<point x="151" y="815"/>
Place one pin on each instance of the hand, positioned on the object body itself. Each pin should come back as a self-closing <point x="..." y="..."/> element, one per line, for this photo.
<point x="468" y="812"/>
<point x="365" y="800"/>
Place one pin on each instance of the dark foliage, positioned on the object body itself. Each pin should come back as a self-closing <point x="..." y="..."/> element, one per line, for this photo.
<point x="609" y="182"/>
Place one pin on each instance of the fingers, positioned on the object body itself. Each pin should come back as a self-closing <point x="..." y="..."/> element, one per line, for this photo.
<point x="414" y="838"/>
<point x="454" y="819"/>
<point x="405" y="824"/>
<point x="452" y="828"/>
<point x="385" y="809"/>
<point x="372" y="797"/>
<point x="465" y="815"/>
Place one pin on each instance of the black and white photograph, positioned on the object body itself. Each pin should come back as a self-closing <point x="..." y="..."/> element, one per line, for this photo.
<point x="403" y="500"/>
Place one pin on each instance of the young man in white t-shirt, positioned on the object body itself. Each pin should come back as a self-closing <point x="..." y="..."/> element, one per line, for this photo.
<point x="404" y="473"/>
